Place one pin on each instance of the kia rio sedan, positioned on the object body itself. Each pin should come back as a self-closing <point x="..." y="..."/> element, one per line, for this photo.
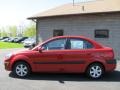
<point x="63" y="54"/>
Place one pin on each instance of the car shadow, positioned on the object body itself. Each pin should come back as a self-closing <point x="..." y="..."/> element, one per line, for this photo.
<point x="109" y="77"/>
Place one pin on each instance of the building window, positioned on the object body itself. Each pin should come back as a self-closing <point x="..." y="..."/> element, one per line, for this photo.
<point x="58" y="33"/>
<point x="101" y="33"/>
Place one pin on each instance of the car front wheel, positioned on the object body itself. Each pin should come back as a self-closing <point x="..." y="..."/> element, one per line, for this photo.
<point x="21" y="69"/>
<point x="95" y="71"/>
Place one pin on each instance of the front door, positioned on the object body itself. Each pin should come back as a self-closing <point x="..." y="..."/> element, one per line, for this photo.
<point x="50" y="59"/>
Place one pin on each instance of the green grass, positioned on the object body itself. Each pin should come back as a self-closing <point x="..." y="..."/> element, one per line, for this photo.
<point x="6" y="45"/>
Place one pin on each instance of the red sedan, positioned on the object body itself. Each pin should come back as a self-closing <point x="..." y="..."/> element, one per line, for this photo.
<point x="63" y="54"/>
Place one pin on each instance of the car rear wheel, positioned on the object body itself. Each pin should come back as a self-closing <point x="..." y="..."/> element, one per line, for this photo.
<point x="95" y="71"/>
<point x="21" y="69"/>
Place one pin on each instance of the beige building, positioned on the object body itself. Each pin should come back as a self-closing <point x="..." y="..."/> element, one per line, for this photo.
<point x="99" y="20"/>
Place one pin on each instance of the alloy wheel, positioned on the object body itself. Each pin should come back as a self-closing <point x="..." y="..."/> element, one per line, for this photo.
<point x="21" y="69"/>
<point x="95" y="71"/>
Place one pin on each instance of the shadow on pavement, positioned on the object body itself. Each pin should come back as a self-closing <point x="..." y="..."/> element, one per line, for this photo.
<point x="109" y="77"/>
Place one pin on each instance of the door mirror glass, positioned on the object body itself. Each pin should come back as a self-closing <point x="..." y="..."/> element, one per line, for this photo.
<point x="40" y="49"/>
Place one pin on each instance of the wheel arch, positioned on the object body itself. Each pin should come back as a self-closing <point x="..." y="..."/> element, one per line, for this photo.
<point x="96" y="62"/>
<point x="21" y="60"/>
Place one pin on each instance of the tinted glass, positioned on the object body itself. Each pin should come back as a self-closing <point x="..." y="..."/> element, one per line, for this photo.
<point x="55" y="44"/>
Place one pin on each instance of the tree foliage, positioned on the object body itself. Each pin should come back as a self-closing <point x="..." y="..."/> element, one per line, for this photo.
<point x="13" y="31"/>
<point x="30" y="30"/>
<point x="3" y="33"/>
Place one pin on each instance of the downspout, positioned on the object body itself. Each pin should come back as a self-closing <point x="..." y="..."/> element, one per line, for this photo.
<point x="35" y="20"/>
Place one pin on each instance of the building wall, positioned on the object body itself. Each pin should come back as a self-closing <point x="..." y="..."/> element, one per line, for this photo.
<point x="84" y="25"/>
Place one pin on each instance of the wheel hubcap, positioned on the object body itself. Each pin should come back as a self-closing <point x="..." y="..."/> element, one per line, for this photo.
<point x="21" y="70"/>
<point x="95" y="71"/>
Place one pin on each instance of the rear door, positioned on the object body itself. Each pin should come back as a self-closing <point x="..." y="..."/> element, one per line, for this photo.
<point x="77" y="55"/>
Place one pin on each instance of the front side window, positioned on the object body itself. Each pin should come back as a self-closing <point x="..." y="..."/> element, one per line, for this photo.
<point x="55" y="44"/>
<point x="80" y="44"/>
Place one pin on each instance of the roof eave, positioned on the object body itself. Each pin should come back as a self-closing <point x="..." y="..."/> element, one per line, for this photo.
<point x="39" y="17"/>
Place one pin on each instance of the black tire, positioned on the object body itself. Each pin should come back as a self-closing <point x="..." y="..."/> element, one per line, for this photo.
<point x="95" y="71"/>
<point x="21" y="69"/>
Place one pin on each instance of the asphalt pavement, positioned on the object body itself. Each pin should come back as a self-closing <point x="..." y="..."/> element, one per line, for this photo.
<point x="38" y="81"/>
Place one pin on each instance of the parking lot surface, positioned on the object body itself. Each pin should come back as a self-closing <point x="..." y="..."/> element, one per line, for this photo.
<point x="39" y="81"/>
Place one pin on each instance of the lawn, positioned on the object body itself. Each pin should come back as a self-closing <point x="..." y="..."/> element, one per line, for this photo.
<point x="5" y="45"/>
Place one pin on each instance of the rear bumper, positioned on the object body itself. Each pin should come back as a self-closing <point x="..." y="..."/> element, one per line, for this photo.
<point x="26" y="46"/>
<point x="111" y="65"/>
<point x="114" y="61"/>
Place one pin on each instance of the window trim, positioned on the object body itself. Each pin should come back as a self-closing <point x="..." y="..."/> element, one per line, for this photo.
<point x="96" y="30"/>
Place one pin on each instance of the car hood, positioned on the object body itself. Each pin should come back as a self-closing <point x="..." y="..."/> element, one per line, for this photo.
<point x="21" y="52"/>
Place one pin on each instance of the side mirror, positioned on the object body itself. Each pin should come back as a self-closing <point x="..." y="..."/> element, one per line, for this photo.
<point x="40" y="49"/>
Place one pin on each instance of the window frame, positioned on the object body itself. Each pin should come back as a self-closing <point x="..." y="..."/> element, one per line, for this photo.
<point x="97" y="36"/>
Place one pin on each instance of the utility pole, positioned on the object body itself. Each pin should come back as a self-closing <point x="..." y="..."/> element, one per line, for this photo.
<point x="73" y="2"/>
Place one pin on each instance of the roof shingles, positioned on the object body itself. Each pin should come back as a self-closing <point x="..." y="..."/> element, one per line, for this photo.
<point x="98" y="6"/>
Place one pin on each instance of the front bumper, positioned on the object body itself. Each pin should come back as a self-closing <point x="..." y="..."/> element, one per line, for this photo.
<point x="7" y="65"/>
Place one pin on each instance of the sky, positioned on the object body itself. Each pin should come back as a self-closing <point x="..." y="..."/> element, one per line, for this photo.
<point x="16" y="12"/>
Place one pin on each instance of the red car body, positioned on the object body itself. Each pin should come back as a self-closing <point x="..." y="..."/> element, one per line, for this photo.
<point x="65" y="60"/>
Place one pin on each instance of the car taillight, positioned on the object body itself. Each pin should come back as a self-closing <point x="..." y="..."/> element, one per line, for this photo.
<point x="109" y="54"/>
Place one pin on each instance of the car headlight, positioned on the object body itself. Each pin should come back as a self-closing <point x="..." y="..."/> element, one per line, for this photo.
<point x="8" y="56"/>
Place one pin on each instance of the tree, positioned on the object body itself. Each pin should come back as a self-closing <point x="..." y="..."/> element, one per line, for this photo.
<point x="0" y="32"/>
<point x="4" y="33"/>
<point x="30" y="30"/>
<point x="13" y="31"/>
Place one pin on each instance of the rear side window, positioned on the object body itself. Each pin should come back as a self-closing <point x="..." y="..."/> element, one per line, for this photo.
<point x="79" y="44"/>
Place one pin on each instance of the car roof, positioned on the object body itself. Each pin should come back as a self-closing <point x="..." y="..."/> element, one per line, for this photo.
<point x="81" y="37"/>
<point x="68" y="36"/>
